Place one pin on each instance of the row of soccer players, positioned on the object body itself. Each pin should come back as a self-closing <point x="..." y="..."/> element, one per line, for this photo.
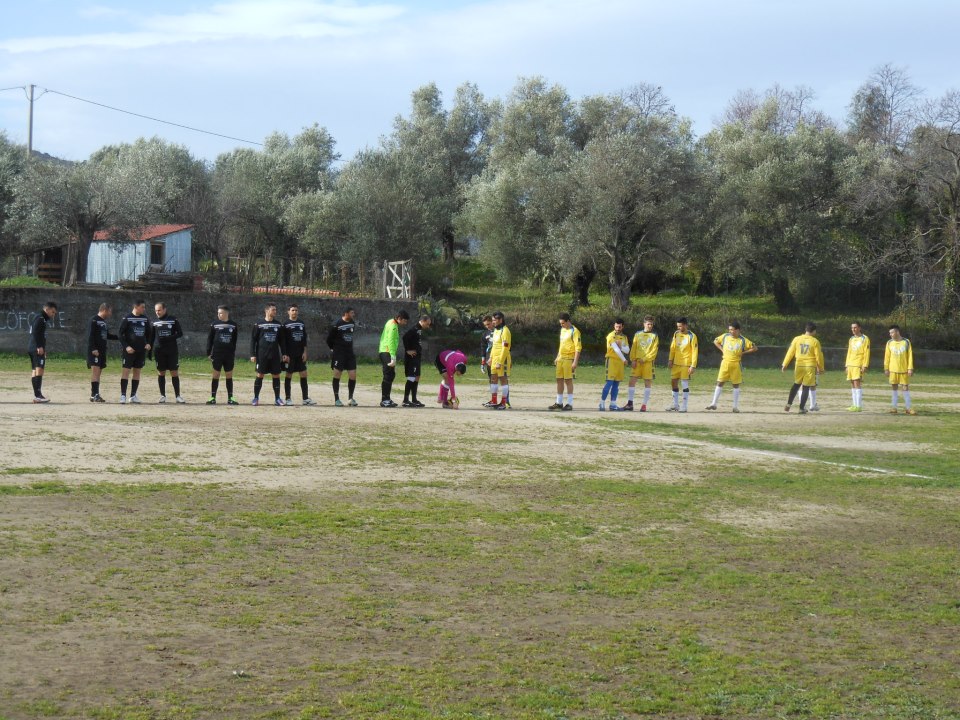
<point x="640" y="355"/>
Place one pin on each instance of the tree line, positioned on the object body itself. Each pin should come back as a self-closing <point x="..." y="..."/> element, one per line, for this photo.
<point x="614" y="189"/>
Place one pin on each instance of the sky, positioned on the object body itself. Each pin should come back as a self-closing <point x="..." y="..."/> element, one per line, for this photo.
<point x="245" y="69"/>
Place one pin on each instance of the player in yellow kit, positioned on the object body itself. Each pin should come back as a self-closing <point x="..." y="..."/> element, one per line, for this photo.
<point x="857" y="362"/>
<point x="898" y="366"/>
<point x="643" y="356"/>
<point x="806" y="351"/>
<point x="618" y="350"/>
<point x="500" y="363"/>
<point x="568" y="355"/>
<point x="683" y="362"/>
<point x="733" y="346"/>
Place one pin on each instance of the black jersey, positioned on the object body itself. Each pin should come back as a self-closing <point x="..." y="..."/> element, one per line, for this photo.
<point x="166" y="331"/>
<point x="222" y="339"/>
<point x="486" y="344"/>
<point x="340" y="337"/>
<point x="38" y="333"/>
<point x="294" y="338"/>
<point x="135" y="331"/>
<point x="267" y="339"/>
<point x="98" y="334"/>
<point x="413" y="340"/>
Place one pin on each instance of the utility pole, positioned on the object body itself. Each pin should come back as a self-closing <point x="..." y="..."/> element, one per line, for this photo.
<point x="30" y="123"/>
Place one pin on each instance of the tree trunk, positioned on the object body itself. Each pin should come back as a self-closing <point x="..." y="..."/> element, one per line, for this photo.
<point x="581" y="285"/>
<point x="620" y="282"/>
<point x="783" y="298"/>
<point x="446" y="244"/>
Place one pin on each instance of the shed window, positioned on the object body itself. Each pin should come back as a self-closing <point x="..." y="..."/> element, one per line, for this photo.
<point x="156" y="253"/>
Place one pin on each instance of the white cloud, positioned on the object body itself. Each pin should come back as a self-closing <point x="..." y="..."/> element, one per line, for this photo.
<point x="250" y="20"/>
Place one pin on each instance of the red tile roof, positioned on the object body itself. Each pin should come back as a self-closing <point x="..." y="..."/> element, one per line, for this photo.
<point x="149" y="232"/>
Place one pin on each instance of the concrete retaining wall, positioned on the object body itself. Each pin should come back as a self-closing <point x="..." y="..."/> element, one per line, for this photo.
<point x="68" y="331"/>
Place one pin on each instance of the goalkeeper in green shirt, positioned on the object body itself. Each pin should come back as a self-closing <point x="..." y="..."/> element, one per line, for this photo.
<point x="389" y="343"/>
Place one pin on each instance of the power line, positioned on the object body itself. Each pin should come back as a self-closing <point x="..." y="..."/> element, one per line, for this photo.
<point x="147" y="117"/>
<point x="15" y="87"/>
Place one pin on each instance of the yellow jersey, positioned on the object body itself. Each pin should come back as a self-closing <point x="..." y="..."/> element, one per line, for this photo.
<point x="645" y="346"/>
<point x="684" y="350"/>
<point x="858" y="352"/>
<point x="620" y="340"/>
<point x="570" y="345"/>
<point x="733" y="347"/>
<point x="807" y="352"/>
<point x="500" y="345"/>
<point x="898" y="357"/>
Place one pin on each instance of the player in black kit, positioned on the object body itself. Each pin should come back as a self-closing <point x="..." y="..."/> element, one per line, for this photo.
<point x="166" y="332"/>
<point x="136" y="338"/>
<point x="37" y="349"/>
<point x="340" y="342"/>
<point x="266" y="350"/>
<point x="413" y="354"/>
<point x="97" y="337"/>
<point x="222" y="349"/>
<point x="295" y="346"/>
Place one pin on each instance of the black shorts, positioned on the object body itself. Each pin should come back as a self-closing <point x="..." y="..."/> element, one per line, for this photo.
<point x="343" y="360"/>
<point x="133" y="360"/>
<point x="37" y="361"/>
<point x="269" y="365"/>
<point x="167" y="359"/>
<point x="222" y="362"/>
<point x="296" y="364"/>
<point x="411" y="366"/>
<point x="99" y="361"/>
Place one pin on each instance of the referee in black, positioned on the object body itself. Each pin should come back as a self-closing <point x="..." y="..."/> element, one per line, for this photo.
<point x="412" y="358"/>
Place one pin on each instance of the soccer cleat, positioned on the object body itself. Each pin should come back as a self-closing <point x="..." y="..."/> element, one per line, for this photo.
<point x="123" y="399"/>
<point x="910" y="411"/>
<point x="352" y="403"/>
<point x="786" y="408"/>
<point x="502" y="405"/>
<point x="736" y="410"/>
<point x="601" y="407"/>
<point x="559" y="406"/>
<point x="97" y="399"/>
<point x="308" y="401"/>
<point x="388" y="404"/>
<point x="135" y="400"/>
<point x="711" y="407"/>
<point x="567" y="407"/>
<point x="417" y="404"/>
<point x="407" y="403"/>
<point x="490" y="404"/>
<point x="162" y="399"/>
<point x="893" y="411"/>
<point x="255" y="402"/>
<point x="232" y="401"/>
<point x="280" y="403"/>
<point x="859" y="408"/>
<point x="288" y="402"/>
<point x="683" y="410"/>
<point x="615" y="408"/>
<point x="337" y="403"/>
<point x="803" y="411"/>
<point x="445" y="405"/>
<point x="852" y="408"/>
<point x="212" y="400"/>
<point x="643" y="408"/>
<point x="673" y="408"/>
<point x="40" y="399"/>
<point x="628" y="407"/>
<point x="814" y="408"/>
<point x="180" y="399"/>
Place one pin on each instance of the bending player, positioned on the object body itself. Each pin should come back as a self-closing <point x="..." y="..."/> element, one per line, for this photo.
<point x="451" y="364"/>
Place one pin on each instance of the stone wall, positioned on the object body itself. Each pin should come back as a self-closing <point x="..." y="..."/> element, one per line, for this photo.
<point x="67" y="332"/>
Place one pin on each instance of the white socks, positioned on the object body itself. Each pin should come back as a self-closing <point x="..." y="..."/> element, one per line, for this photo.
<point x="716" y="394"/>
<point x="736" y="398"/>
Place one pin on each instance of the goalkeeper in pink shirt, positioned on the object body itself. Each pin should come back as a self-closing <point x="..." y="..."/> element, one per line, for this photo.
<point x="450" y="363"/>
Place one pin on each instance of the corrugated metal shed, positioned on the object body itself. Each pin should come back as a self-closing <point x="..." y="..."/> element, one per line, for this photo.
<point x="164" y="248"/>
